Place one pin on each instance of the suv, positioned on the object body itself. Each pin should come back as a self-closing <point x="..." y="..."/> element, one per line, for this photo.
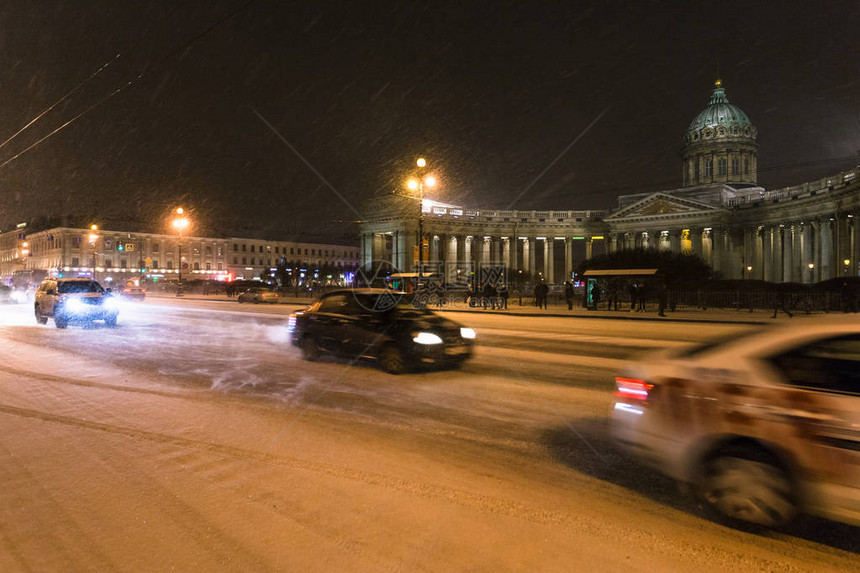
<point x="74" y="300"/>
<point x="381" y="325"/>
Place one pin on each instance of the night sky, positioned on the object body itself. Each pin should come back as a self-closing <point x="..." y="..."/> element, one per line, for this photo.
<point x="491" y="93"/>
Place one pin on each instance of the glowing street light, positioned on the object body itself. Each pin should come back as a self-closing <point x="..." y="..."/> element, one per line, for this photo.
<point x="180" y="223"/>
<point x="418" y="184"/>
<point x="94" y="237"/>
<point x="846" y="263"/>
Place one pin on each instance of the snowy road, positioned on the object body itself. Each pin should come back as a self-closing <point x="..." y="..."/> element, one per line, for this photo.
<point x="192" y="436"/>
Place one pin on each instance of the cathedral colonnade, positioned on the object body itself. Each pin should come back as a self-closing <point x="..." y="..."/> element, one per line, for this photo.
<point x="456" y="256"/>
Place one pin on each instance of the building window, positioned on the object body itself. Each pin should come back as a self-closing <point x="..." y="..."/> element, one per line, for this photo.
<point x="277" y="251"/>
<point x="696" y="170"/>
<point x="235" y="247"/>
<point x="244" y="248"/>
<point x="76" y="262"/>
<point x="219" y="267"/>
<point x="244" y="260"/>
<point x="208" y="266"/>
<point x="313" y="252"/>
<point x="196" y="266"/>
<point x="108" y="263"/>
<point x="261" y="248"/>
<point x="155" y="247"/>
<point x="154" y="264"/>
<point x="746" y="166"/>
<point x="252" y="248"/>
<point x="235" y="260"/>
<point x="291" y="250"/>
<point x="220" y="251"/>
<point x="253" y="260"/>
<point x="306" y="251"/>
<point x="208" y="250"/>
<point x="721" y="166"/>
<point x="709" y="167"/>
<point x="169" y="264"/>
<point x="123" y="263"/>
<point x="736" y="166"/>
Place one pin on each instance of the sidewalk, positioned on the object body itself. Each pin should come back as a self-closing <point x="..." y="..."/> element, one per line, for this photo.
<point x="743" y="316"/>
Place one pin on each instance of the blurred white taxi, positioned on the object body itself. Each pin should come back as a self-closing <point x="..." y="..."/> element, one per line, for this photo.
<point x="762" y="425"/>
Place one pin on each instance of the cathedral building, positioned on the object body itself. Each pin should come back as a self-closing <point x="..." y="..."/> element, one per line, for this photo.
<point x="804" y="233"/>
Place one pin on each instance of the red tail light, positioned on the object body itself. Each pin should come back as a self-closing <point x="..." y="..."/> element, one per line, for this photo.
<point x="633" y="389"/>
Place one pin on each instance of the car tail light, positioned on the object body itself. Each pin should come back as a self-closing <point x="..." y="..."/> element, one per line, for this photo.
<point x="633" y="389"/>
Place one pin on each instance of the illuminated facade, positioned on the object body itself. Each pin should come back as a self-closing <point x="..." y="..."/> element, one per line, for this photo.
<point x="803" y="233"/>
<point x="122" y="255"/>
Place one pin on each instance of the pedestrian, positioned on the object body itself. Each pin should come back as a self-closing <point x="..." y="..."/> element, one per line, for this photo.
<point x="780" y="301"/>
<point x="544" y="294"/>
<point x="633" y="291"/>
<point x="640" y="295"/>
<point x="487" y="298"/>
<point x="568" y="294"/>
<point x="536" y="295"/>
<point x="503" y="297"/>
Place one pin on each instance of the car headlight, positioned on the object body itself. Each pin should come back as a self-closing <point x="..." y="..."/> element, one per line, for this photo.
<point x="291" y="324"/>
<point x="467" y="333"/>
<point x="75" y="305"/>
<point x="426" y="338"/>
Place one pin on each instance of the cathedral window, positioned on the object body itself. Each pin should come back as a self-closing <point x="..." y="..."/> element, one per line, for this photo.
<point x="709" y="167"/>
<point x="736" y="168"/>
<point x="721" y="166"/>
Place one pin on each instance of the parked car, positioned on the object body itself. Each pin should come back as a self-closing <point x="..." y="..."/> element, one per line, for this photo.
<point x="74" y="301"/>
<point x="382" y="325"/>
<point x="257" y="295"/>
<point x="762" y="426"/>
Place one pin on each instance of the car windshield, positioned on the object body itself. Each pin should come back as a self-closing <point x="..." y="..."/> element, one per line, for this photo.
<point x="704" y="347"/>
<point x="80" y="286"/>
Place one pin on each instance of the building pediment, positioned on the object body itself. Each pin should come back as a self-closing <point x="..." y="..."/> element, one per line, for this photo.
<point x="662" y="205"/>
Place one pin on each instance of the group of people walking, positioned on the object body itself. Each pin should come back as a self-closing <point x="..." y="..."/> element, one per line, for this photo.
<point x="490" y="296"/>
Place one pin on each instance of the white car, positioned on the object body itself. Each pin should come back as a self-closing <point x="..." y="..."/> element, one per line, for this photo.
<point x="763" y="425"/>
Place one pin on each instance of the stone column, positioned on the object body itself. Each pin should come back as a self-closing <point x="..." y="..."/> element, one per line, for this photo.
<point x="826" y="242"/>
<point x="588" y="249"/>
<point x="568" y="258"/>
<point x="506" y="252"/>
<point x="674" y="240"/>
<point x="717" y="249"/>
<point x="806" y="254"/>
<point x="513" y="245"/>
<point x="696" y="246"/>
<point x="548" y="260"/>
<point x="487" y="251"/>
<point x="776" y="255"/>
<point x="788" y="261"/>
<point x="532" y="257"/>
<point x="467" y="251"/>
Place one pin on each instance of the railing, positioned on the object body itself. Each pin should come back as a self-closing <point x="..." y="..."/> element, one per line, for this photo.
<point x="841" y="179"/>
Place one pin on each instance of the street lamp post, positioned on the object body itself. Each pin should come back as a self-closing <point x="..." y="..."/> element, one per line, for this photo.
<point x="811" y="272"/>
<point x="846" y="263"/>
<point x="94" y="237"/>
<point x="180" y="223"/>
<point x="417" y="184"/>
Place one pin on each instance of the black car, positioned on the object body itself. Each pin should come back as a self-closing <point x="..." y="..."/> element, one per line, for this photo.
<point x="379" y="324"/>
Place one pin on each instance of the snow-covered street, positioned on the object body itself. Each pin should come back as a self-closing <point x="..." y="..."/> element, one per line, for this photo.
<point x="193" y="436"/>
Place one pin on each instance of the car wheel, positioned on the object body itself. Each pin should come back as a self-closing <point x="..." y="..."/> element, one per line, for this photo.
<point x="310" y="349"/>
<point x="391" y="360"/>
<point x="39" y="318"/>
<point x="110" y="321"/>
<point x="746" y="484"/>
<point x="60" y="321"/>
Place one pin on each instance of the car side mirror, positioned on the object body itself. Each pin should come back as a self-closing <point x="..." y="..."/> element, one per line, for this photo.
<point x="108" y="290"/>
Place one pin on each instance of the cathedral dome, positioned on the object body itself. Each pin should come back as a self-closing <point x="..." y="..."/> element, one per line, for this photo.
<point x="722" y="114"/>
<point x="720" y="144"/>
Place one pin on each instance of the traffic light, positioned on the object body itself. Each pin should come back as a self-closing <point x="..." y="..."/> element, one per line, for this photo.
<point x="120" y="246"/>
